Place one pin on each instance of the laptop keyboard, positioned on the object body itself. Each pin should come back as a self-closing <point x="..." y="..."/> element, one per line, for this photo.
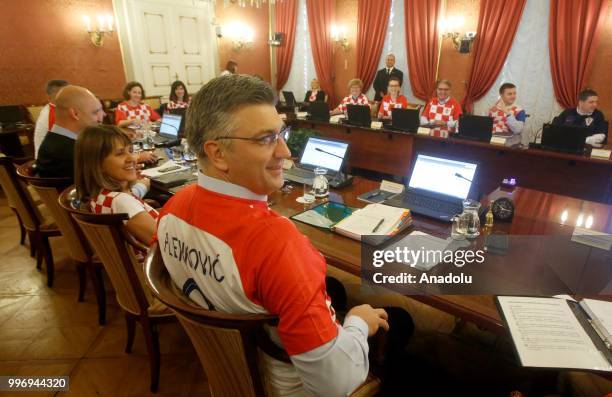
<point x="426" y="205"/>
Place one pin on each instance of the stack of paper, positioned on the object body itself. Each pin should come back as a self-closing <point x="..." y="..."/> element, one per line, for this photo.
<point x="374" y="219"/>
<point x="166" y="168"/>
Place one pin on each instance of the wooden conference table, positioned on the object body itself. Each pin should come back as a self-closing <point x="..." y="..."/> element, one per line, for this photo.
<point x="537" y="213"/>
<point x="392" y="152"/>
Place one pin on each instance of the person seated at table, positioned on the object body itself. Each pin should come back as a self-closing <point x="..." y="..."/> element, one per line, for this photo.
<point x="586" y="115"/>
<point x="75" y="108"/>
<point x="179" y="97"/>
<point x="106" y="169"/>
<point x="315" y="94"/>
<point x="231" y="67"/>
<point x="133" y="111"/>
<point x="508" y="117"/>
<point x="258" y="260"/>
<point x="356" y="97"/>
<point x="46" y="117"/>
<point x="393" y="99"/>
<point x="442" y="110"/>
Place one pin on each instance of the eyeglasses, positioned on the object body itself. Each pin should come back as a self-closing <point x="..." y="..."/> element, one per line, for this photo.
<point x="266" y="140"/>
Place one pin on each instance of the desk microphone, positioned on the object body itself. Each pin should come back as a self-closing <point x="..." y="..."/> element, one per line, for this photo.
<point x="326" y="152"/>
<point x="458" y="175"/>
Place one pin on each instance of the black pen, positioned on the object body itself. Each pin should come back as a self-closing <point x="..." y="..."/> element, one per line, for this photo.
<point x="378" y="225"/>
<point x="373" y="195"/>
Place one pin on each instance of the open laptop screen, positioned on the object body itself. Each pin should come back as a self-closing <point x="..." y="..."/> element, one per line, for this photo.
<point x="323" y="153"/>
<point x="448" y="177"/>
<point x="170" y="125"/>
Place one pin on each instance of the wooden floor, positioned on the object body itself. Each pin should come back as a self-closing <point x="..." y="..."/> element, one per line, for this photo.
<point x="45" y="331"/>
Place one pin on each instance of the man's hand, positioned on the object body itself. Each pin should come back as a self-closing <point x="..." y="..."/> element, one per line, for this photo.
<point x="596" y="139"/>
<point x="147" y="157"/>
<point x="375" y="318"/>
<point x="441" y="123"/>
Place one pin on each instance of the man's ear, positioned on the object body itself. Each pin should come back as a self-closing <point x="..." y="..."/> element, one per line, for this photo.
<point x="215" y="154"/>
<point x="73" y="112"/>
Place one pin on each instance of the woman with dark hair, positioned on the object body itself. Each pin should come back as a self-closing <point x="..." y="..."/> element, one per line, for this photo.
<point x="230" y="68"/>
<point x="105" y="170"/>
<point x="179" y="97"/>
<point x="133" y="110"/>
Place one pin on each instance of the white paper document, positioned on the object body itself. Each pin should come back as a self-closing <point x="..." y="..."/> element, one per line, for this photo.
<point x="546" y="333"/>
<point x="168" y="167"/>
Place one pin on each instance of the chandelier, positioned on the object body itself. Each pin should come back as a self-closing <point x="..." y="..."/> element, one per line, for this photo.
<point x="248" y="3"/>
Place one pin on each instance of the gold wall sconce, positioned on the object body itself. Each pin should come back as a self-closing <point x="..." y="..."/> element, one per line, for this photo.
<point x="338" y="35"/>
<point x="242" y="36"/>
<point x="105" y="27"/>
<point x="451" y="29"/>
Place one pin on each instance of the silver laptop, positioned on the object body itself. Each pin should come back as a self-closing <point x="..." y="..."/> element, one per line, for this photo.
<point x="319" y="153"/>
<point x="437" y="187"/>
<point x="169" y="128"/>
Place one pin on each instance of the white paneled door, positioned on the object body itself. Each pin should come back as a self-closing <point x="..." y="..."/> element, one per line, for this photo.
<point x="167" y="40"/>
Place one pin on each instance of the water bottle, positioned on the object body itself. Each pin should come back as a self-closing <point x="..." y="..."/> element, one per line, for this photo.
<point x="320" y="185"/>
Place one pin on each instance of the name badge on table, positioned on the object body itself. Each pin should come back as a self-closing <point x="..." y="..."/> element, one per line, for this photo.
<point x="423" y="131"/>
<point x="376" y="125"/>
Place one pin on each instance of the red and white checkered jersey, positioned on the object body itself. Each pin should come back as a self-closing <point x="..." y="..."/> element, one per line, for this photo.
<point x="387" y="104"/>
<point x="178" y="104"/>
<point x="109" y="202"/>
<point x="139" y="114"/>
<point x="447" y="111"/>
<point x="500" y="118"/>
<point x="229" y="252"/>
<point x="350" y="100"/>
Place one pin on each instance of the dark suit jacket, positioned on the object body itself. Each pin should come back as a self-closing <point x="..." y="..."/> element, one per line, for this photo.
<point x="56" y="157"/>
<point x="320" y="96"/>
<point x="381" y="81"/>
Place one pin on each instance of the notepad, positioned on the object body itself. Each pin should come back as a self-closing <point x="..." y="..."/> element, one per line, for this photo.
<point x="555" y="333"/>
<point x="374" y="220"/>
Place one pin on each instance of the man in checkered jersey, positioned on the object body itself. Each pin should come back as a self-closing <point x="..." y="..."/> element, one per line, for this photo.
<point x="442" y="111"/>
<point x="253" y="259"/>
<point x="508" y="117"/>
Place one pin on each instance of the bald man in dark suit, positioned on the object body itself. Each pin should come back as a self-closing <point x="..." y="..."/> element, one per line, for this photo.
<point x="381" y="81"/>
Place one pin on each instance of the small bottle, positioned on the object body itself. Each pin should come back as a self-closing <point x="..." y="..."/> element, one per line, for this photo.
<point x="489" y="220"/>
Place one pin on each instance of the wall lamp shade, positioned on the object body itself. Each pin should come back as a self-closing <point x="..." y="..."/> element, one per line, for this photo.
<point x="104" y="27"/>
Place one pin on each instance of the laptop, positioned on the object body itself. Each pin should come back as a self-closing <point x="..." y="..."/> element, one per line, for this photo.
<point x="321" y="153"/>
<point x="318" y="111"/>
<point x="564" y="138"/>
<point x="475" y="128"/>
<point x="11" y="115"/>
<point x="406" y="120"/>
<point x="437" y="187"/>
<point x="358" y="115"/>
<point x="289" y="98"/>
<point x="168" y="129"/>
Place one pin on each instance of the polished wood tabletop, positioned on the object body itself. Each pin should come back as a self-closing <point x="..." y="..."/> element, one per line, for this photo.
<point x="540" y="232"/>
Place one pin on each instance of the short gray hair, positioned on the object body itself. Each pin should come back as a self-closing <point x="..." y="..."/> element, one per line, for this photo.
<point x="209" y="116"/>
<point x="53" y="85"/>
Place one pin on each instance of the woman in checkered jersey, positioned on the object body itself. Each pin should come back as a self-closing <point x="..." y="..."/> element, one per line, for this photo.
<point x="179" y="97"/>
<point x="442" y="111"/>
<point x="132" y="111"/>
<point x="105" y="170"/>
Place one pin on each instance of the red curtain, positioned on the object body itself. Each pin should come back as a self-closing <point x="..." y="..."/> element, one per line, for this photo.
<point x="372" y="22"/>
<point x="320" y="20"/>
<point x="497" y="24"/>
<point x="421" y="18"/>
<point x="574" y="30"/>
<point x="285" y="19"/>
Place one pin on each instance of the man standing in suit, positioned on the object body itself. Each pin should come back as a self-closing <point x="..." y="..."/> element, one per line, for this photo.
<point x="382" y="77"/>
<point x="75" y="109"/>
